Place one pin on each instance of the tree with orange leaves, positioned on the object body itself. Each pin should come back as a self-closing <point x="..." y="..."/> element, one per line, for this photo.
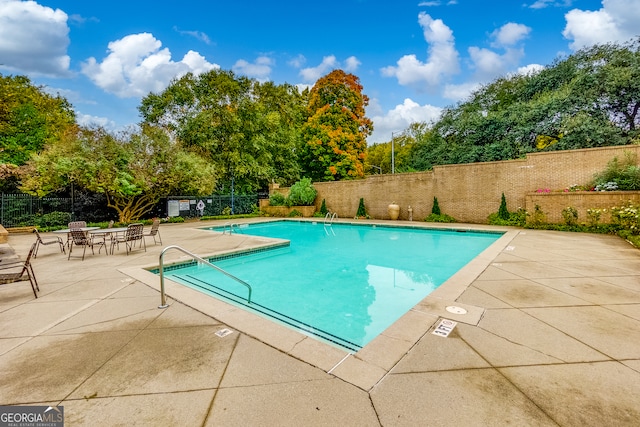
<point x="334" y="136"/>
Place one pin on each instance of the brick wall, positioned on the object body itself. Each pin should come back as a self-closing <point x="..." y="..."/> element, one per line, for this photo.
<point x="552" y="204"/>
<point x="470" y="192"/>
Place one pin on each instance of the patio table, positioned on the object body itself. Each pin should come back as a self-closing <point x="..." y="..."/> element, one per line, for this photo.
<point x="68" y="233"/>
<point x="85" y="229"/>
<point x="105" y="231"/>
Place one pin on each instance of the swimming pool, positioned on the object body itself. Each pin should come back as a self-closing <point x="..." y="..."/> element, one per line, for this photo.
<point x="343" y="284"/>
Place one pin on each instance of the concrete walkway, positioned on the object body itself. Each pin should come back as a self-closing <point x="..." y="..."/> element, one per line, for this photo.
<point x="554" y="339"/>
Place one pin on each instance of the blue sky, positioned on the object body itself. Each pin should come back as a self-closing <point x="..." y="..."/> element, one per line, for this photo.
<point x="412" y="57"/>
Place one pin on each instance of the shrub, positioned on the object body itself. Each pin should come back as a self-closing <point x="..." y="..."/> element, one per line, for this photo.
<point x="323" y="208"/>
<point x="538" y="217"/>
<point x="52" y="219"/>
<point x="570" y="215"/>
<point x="439" y="218"/>
<point x="435" y="210"/>
<point x="606" y="186"/>
<point x="518" y="218"/>
<point x="619" y="175"/>
<point x="295" y="213"/>
<point x="277" y="199"/>
<point x="503" y="212"/>
<point x="626" y="217"/>
<point x="302" y="193"/>
<point x="175" y="219"/>
<point x="593" y="216"/>
<point x="362" y="211"/>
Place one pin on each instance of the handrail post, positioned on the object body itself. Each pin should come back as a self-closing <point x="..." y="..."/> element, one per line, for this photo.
<point x="163" y="297"/>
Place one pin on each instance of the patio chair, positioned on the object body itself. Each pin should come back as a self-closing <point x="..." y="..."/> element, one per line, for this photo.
<point x="81" y="238"/>
<point x="49" y="241"/>
<point x="19" y="269"/>
<point x="74" y="224"/>
<point x="105" y="236"/>
<point x="133" y="235"/>
<point x="155" y="231"/>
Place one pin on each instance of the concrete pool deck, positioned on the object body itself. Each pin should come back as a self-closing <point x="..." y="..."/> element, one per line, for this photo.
<point x="552" y="338"/>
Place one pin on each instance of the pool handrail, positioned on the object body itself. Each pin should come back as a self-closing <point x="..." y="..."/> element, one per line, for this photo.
<point x="163" y="297"/>
<point x="231" y="225"/>
<point x="330" y="217"/>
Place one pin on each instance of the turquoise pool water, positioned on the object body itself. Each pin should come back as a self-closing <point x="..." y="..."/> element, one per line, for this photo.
<point x="343" y="284"/>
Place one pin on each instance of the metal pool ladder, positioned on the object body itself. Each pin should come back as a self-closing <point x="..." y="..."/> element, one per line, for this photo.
<point x="329" y="217"/>
<point x="231" y="226"/>
<point x="163" y="297"/>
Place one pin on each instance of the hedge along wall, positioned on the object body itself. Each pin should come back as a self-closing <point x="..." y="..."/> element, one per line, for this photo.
<point x="470" y="192"/>
<point x="552" y="204"/>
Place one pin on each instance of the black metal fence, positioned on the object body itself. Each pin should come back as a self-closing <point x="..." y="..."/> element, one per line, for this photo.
<point x="189" y="206"/>
<point x="19" y="210"/>
<point x="22" y="210"/>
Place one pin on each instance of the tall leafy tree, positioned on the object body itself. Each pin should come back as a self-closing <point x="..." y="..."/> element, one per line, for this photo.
<point x="334" y="136"/>
<point x="134" y="170"/>
<point x="29" y="119"/>
<point x="379" y="159"/>
<point x="588" y="99"/>
<point x="247" y="129"/>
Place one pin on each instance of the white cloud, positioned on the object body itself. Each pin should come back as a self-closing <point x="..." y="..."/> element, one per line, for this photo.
<point x="303" y="86"/>
<point x="328" y="64"/>
<point x="351" y="64"/>
<point x="460" y="92"/>
<point x="87" y="120"/>
<point x="441" y="63"/>
<point x="510" y="34"/>
<point x="489" y="64"/>
<point x="616" y="21"/>
<point x="136" y="66"/>
<point x="298" y="61"/>
<point x="199" y="35"/>
<point x="33" y="38"/>
<point x="530" y="69"/>
<point x="541" y="4"/>
<point x="400" y="118"/>
<point x="259" y="69"/>
<point x="312" y="74"/>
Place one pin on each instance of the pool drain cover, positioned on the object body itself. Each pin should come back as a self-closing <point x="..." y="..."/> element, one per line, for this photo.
<point x="455" y="310"/>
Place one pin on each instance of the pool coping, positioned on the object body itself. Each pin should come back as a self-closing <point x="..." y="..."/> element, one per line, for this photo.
<point x="371" y="364"/>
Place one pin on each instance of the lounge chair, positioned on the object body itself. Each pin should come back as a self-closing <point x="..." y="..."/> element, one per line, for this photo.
<point x="49" y="241"/>
<point x="155" y="231"/>
<point x="19" y="269"/>
<point x="81" y="238"/>
<point x="133" y="235"/>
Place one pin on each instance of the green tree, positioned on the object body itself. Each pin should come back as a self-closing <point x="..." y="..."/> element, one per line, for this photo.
<point x="379" y="155"/>
<point x="247" y="129"/>
<point x="588" y="99"/>
<point x="503" y="212"/>
<point x="435" y="209"/>
<point x="334" y="136"/>
<point x="133" y="170"/>
<point x="29" y="119"/>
